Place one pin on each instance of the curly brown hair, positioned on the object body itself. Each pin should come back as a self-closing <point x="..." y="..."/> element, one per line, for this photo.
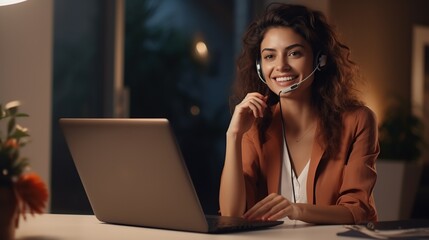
<point x="334" y="91"/>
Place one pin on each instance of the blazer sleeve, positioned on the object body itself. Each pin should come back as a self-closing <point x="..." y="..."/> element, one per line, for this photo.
<point x="251" y="169"/>
<point x="359" y="173"/>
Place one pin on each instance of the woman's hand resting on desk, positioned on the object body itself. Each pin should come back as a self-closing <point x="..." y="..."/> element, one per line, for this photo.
<point x="273" y="207"/>
<point x="245" y="113"/>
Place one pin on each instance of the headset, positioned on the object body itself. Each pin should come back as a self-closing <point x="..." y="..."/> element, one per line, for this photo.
<point x="319" y="64"/>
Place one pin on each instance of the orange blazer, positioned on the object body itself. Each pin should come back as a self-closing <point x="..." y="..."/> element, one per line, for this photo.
<point x="347" y="180"/>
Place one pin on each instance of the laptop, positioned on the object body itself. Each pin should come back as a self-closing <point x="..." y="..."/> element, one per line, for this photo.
<point x="133" y="173"/>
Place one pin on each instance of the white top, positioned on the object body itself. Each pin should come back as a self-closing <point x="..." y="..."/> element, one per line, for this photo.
<point x="300" y="183"/>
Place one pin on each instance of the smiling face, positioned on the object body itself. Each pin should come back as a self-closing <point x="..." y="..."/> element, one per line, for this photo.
<point x="286" y="58"/>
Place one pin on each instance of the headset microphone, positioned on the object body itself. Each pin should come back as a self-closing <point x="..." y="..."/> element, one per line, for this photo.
<point x="321" y="63"/>
<point x="296" y="85"/>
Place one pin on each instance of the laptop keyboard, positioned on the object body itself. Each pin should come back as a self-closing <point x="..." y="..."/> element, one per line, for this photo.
<point x="230" y="224"/>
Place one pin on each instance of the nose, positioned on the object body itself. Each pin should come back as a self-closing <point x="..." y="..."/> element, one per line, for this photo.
<point x="282" y="65"/>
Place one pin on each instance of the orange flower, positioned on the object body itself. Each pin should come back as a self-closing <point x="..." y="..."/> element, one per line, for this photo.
<point x="11" y="143"/>
<point x="32" y="193"/>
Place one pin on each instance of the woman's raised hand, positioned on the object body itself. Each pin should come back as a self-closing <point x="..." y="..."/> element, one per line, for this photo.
<point x="245" y="113"/>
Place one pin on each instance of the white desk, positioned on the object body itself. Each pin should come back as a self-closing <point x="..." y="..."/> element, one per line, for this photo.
<point x="73" y="227"/>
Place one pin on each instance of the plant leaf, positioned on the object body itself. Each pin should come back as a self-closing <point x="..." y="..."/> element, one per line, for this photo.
<point x="21" y="115"/>
<point x="11" y="126"/>
<point x="19" y="134"/>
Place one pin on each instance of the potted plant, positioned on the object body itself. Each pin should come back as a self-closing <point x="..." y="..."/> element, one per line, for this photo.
<point x="21" y="190"/>
<point x="401" y="135"/>
<point x="398" y="166"/>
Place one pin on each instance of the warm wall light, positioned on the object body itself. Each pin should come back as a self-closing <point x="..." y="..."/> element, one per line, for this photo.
<point x="201" y="49"/>
<point x="195" y="110"/>
<point x="9" y="2"/>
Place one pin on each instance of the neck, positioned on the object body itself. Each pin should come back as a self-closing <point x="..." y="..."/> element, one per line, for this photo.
<point x="298" y="114"/>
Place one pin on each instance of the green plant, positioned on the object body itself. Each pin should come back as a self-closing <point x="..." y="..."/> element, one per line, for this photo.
<point x="30" y="190"/>
<point x="12" y="165"/>
<point x="401" y="134"/>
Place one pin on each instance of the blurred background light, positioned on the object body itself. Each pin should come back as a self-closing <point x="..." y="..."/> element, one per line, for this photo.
<point x="201" y="49"/>
<point x="9" y="2"/>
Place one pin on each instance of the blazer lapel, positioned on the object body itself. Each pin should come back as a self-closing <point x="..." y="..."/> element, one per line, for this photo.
<point x="316" y="156"/>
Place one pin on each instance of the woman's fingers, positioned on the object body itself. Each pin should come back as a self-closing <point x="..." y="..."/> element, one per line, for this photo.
<point x="272" y="207"/>
<point x="256" y="108"/>
<point x="280" y="210"/>
<point x="254" y="102"/>
<point x="260" y="208"/>
<point x="251" y="107"/>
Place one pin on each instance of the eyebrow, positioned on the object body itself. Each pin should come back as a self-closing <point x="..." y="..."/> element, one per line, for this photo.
<point x="287" y="48"/>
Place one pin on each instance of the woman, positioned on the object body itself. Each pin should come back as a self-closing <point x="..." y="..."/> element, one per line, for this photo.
<point x="300" y="144"/>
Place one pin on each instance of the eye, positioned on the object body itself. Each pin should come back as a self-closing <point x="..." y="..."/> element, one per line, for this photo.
<point x="295" y="54"/>
<point x="268" y="56"/>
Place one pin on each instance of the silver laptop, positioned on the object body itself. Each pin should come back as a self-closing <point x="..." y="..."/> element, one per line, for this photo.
<point x="133" y="174"/>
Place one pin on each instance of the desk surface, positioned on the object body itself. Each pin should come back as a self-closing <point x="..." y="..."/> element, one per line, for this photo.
<point x="61" y="227"/>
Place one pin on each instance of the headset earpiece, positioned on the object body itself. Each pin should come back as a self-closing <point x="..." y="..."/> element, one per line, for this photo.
<point x="321" y="60"/>
<point x="259" y="70"/>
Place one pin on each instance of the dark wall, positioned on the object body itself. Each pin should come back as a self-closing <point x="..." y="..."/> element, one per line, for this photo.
<point x="163" y="75"/>
<point x="166" y="78"/>
<point x="77" y="91"/>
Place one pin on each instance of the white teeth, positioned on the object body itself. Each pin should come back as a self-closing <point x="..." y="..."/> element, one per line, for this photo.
<point x="285" y="79"/>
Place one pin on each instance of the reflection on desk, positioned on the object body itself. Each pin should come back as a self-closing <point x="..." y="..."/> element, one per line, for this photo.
<point x="65" y="227"/>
